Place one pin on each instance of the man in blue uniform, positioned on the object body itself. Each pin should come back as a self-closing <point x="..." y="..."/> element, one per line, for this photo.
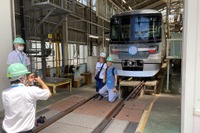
<point x="111" y="82"/>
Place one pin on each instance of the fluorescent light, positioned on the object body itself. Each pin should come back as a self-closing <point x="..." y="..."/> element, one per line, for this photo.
<point x="130" y="8"/>
<point x="124" y="1"/>
<point x="107" y="39"/>
<point x="93" y="36"/>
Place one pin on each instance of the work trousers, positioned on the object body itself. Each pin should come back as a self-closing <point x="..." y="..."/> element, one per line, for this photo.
<point x="112" y="96"/>
<point x="99" y="84"/>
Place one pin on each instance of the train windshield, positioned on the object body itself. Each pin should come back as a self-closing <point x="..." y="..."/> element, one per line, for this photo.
<point x="147" y="28"/>
<point x="137" y="28"/>
<point x="126" y="29"/>
<point x="115" y="29"/>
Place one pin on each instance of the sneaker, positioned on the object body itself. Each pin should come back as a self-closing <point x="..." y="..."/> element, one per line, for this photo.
<point x="117" y="98"/>
<point x="101" y="97"/>
<point x="118" y="95"/>
<point x="96" y="96"/>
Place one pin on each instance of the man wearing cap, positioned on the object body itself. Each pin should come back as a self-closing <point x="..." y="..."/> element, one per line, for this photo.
<point x="17" y="55"/>
<point x="19" y="101"/>
<point x="111" y="82"/>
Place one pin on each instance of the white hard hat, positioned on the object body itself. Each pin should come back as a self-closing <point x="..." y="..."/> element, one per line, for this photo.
<point x="103" y="55"/>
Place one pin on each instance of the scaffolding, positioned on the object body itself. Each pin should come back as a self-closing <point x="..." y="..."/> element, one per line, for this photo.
<point x="42" y="21"/>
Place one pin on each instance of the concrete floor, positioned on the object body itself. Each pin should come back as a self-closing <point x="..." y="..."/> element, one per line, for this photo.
<point x="165" y="116"/>
<point x="63" y="93"/>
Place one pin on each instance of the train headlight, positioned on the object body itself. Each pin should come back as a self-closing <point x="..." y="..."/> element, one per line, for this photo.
<point x="114" y="50"/>
<point x="153" y="49"/>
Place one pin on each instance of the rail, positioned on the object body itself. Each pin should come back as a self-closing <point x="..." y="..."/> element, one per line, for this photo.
<point x="60" y="115"/>
<point x="117" y="109"/>
<point x="107" y="119"/>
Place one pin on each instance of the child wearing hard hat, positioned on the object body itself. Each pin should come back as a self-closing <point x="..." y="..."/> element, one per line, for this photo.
<point x="19" y="101"/>
<point x="111" y="82"/>
<point x="100" y="71"/>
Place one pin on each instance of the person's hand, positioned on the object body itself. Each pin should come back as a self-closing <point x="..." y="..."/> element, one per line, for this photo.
<point x="38" y="79"/>
<point x="114" y="89"/>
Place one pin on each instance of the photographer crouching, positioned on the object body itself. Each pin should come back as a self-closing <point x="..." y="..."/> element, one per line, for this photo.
<point x="19" y="100"/>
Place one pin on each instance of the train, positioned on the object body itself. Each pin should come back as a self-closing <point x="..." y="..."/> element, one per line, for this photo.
<point x="137" y="42"/>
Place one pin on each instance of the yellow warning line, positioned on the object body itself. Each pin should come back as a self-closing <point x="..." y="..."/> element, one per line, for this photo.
<point x="145" y="116"/>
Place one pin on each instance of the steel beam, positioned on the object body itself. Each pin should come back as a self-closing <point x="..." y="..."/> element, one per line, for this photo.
<point x="156" y="4"/>
<point x="141" y="3"/>
<point x="59" y="23"/>
<point x="48" y="14"/>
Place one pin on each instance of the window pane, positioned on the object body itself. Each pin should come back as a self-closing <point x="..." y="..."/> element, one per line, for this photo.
<point x="85" y="2"/>
<point x="147" y="28"/>
<point x="115" y="29"/>
<point x="125" y="29"/>
<point x="94" y="5"/>
<point x="94" y="49"/>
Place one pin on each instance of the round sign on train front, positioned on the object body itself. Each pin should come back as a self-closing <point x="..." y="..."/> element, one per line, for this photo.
<point x="132" y="50"/>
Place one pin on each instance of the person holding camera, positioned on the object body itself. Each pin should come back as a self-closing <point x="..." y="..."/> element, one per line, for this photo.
<point x="19" y="100"/>
<point x="100" y="71"/>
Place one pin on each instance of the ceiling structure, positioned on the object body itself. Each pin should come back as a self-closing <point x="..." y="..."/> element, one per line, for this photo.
<point x="166" y="7"/>
<point x="141" y="4"/>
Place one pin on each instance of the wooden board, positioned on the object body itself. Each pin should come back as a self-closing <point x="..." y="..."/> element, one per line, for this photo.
<point x="151" y="83"/>
<point x="129" y="83"/>
<point x="79" y="81"/>
<point x="88" y="78"/>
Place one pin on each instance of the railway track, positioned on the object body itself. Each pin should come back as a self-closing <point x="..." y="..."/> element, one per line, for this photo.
<point x="60" y="115"/>
<point x="135" y="92"/>
<point x="107" y="119"/>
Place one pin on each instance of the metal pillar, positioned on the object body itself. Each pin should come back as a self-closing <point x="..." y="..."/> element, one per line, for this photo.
<point x="167" y="18"/>
<point x="13" y="18"/>
<point x="103" y="38"/>
<point x="57" y="38"/>
<point x="44" y="64"/>
<point x="168" y="36"/>
<point x="22" y="22"/>
<point x="90" y="52"/>
<point x="168" y="72"/>
<point x="65" y="42"/>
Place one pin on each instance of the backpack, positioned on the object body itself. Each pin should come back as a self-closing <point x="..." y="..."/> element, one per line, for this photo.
<point x="113" y="69"/>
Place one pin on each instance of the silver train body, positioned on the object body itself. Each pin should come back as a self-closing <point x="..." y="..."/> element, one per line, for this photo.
<point x="136" y="43"/>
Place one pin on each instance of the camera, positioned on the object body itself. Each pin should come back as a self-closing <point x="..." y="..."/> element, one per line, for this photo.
<point x="36" y="74"/>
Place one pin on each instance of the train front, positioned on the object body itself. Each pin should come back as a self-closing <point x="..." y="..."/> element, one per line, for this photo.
<point x="136" y="44"/>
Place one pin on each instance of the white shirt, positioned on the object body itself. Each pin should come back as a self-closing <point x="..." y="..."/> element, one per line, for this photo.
<point x="17" y="57"/>
<point x="19" y="103"/>
<point x="98" y="67"/>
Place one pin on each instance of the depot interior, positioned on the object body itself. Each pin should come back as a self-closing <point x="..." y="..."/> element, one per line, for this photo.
<point x="65" y="37"/>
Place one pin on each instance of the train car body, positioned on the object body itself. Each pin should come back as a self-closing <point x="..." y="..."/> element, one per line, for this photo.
<point x="136" y="42"/>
